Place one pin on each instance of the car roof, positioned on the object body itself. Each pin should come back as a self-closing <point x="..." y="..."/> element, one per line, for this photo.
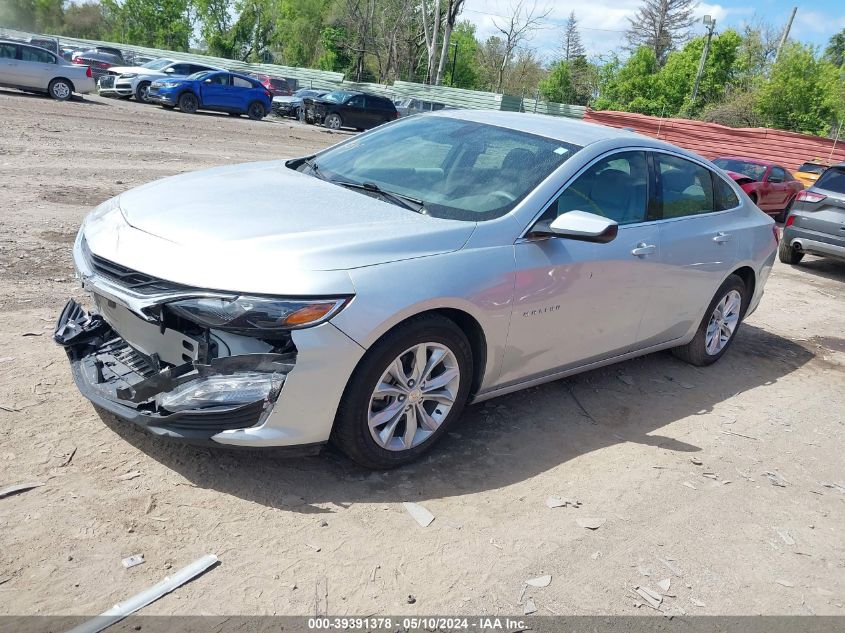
<point x="560" y="128"/>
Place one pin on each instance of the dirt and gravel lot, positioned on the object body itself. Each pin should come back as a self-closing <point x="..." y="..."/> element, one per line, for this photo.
<point x="673" y="457"/>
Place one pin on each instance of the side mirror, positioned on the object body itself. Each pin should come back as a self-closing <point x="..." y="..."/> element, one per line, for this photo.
<point x="207" y="81"/>
<point x="579" y="225"/>
<point x="169" y="70"/>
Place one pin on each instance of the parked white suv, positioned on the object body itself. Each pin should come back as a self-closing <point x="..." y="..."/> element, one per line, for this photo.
<point x="134" y="81"/>
<point x="36" y="69"/>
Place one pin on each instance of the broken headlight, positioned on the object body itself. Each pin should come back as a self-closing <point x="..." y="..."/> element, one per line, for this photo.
<point x="255" y="316"/>
<point x="235" y="389"/>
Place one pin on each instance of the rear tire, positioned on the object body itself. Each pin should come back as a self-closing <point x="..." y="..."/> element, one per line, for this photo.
<point x="717" y="319"/>
<point x="333" y="121"/>
<point x="361" y="406"/>
<point x="60" y="89"/>
<point x="256" y="111"/>
<point x="787" y="254"/>
<point x="188" y="103"/>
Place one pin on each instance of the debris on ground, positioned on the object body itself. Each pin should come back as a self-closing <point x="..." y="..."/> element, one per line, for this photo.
<point x="131" y="561"/>
<point x="411" y="599"/>
<point x="836" y="487"/>
<point x="785" y="537"/>
<point x="541" y="581"/>
<point x="419" y="513"/>
<point x="530" y="607"/>
<point x="697" y="603"/>
<point x="127" y="476"/>
<point x="68" y="458"/>
<point x="148" y="596"/>
<point x="775" y="479"/>
<point x="595" y="555"/>
<point x="696" y="461"/>
<point x="652" y="598"/>
<point x="11" y="490"/>
<point x="591" y="523"/>
<point x="748" y="437"/>
<point x="9" y="409"/>
<point x="664" y="584"/>
<point x="783" y="582"/>
<point x="32" y="334"/>
<point x="564" y="502"/>
<point x="690" y="485"/>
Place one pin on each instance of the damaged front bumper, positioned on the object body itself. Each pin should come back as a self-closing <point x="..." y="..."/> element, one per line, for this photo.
<point x="194" y="400"/>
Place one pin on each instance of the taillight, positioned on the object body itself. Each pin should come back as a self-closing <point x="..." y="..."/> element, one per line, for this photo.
<point x="88" y="71"/>
<point x="77" y="60"/>
<point x="809" y="196"/>
<point x="776" y="233"/>
<point x="790" y="221"/>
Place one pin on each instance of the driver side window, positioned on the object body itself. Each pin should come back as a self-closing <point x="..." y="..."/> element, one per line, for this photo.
<point x="615" y="187"/>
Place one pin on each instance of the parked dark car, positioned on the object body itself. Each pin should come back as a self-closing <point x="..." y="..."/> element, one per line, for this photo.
<point x="292" y="105"/>
<point x="771" y="187"/>
<point x="816" y="224"/>
<point x="277" y="87"/>
<point x="344" y="108"/>
<point x="213" y="90"/>
<point x="48" y="43"/>
<point x="98" y="62"/>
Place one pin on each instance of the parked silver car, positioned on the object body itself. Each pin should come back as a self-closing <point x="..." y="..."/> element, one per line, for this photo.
<point x="816" y="223"/>
<point x="134" y="81"/>
<point x="367" y="293"/>
<point x="35" y="69"/>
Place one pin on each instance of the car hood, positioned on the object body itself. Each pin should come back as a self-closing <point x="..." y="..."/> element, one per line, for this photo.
<point x="265" y="210"/>
<point x="138" y="70"/>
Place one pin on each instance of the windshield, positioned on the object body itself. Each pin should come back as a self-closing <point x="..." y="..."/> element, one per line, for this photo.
<point x="752" y="170"/>
<point x="157" y="64"/>
<point x="337" y="97"/>
<point x="460" y="170"/>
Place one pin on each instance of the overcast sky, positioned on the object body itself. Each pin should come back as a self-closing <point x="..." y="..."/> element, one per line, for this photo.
<point x="603" y="22"/>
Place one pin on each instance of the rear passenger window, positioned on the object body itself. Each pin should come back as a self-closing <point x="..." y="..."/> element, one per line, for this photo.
<point x="685" y="188"/>
<point x="615" y="187"/>
<point x="35" y="55"/>
<point x="241" y="83"/>
<point x="724" y="195"/>
<point x="8" y="51"/>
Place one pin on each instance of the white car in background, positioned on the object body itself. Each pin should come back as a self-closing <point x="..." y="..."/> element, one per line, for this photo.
<point x="134" y="81"/>
<point x="35" y="69"/>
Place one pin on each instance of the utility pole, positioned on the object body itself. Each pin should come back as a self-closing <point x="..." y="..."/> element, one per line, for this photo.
<point x="454" y="62"/>
<point x="711" y="26"/>
<point x="785" y="33"/>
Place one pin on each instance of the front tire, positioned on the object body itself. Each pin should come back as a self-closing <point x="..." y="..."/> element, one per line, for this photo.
<point x="407" y="390"/>
<point x="142" y="92"/>
<point x="60" y="89"/>
<point x="719" y="326"/>
<point x="188" y="103"/>
<point x="789" y="255"/>
<point x="333" y="122"/>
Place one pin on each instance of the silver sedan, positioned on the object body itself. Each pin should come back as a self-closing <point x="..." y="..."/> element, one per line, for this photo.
<point x="364" y="295"/>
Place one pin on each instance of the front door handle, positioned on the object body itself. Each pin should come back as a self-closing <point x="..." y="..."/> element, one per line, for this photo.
<point x="721" y="237"/>
<point x="644" y="249"/>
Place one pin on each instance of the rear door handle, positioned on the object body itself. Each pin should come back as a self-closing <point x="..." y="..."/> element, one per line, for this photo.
<point x="644" y="249"/>
<point x="721" y="237"/>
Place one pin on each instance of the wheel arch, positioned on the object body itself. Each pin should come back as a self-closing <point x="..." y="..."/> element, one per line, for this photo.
<point x="70" y="81"/>
<point x="749" y="278"/>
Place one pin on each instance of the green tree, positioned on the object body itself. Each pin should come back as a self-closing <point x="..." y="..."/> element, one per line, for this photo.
<point x="155" y="23"/>
<point x="84" y="20"/>
<point x="32" y="15"/>
<point x="633" y="87"/>
<point x="465" y="57"/>
<point x="835" y="51"/>
<point x="804" y="92"/>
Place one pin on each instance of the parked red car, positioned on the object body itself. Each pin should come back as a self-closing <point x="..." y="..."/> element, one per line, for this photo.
<point x="770" y="186"/>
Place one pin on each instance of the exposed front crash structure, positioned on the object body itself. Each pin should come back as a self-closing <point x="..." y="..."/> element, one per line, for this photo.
<point x="194" y="400"/>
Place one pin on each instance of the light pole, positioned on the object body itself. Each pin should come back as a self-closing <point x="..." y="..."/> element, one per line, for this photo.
<point x="454" y="62"/>
<point x="711" y="26"/>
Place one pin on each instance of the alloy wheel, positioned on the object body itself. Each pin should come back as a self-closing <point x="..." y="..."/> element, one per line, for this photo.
<point x="413" y="396"/>
<point x="723" y="322"/>
<point x="333" y="122"/>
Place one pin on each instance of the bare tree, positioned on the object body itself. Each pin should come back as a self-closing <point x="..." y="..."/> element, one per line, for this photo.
<point x="661" y="25"/>
<point x="430" y="32"/>
<point x="453" y="10"/>
<point x="572" y="47"/>
<point x="522" y="21"/>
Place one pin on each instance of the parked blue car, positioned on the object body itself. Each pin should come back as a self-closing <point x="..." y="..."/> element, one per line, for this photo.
<point x="213" y="90"/>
